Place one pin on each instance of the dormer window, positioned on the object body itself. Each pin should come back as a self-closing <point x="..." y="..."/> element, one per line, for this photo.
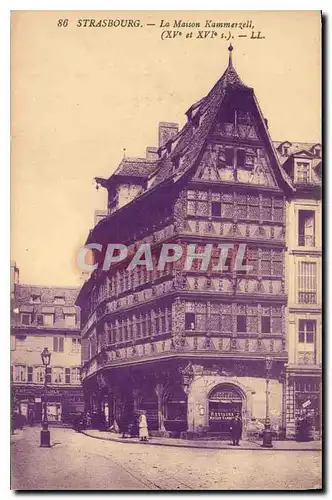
<point x="196" y="120"/>
<point x="59" y="300"/>
<point x="302" y="172"/>
<point x="284" y="148"/>
<point x="35" y="298"/>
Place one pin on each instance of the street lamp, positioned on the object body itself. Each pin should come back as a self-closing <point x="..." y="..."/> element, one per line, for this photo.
<point x="267" y="433"/>
<point x="45" y="433"/>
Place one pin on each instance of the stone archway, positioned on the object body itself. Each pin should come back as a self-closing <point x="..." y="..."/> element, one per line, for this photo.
<point x="148" y="402"/>
<point x="175" y="407"/>
<point x="224" y="400"/>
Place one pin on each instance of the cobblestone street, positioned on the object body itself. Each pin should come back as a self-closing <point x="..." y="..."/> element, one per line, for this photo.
<point x="77" y="461"/>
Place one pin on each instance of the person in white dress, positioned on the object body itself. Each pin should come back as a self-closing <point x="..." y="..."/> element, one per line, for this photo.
<point x="143" y="427"/>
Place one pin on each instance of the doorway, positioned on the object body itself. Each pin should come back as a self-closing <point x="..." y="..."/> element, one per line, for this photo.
<point x="149" y="404"/>
<point x="224" y="401"/>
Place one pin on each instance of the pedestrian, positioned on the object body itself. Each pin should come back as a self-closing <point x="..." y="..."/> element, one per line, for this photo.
<point x="78" y="423"/>
<point x="124" y="424"/>
<point x="236" y="429"/>
<point x="88" y="420"/>
<point x="31" y="417"/>
<point x="143" y="428"/>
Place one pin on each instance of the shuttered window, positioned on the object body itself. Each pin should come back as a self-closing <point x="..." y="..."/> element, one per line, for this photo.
<point x="58" y="344"/>
<point x="307" y="283"/>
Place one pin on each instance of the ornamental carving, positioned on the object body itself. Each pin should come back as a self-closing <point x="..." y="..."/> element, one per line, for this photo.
<point x="187" y="375"/>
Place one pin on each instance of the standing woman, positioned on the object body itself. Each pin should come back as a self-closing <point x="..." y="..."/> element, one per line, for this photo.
<point x="143" y="427"/>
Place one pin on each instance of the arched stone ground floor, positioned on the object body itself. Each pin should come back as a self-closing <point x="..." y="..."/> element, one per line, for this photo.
<point x="188" y="396"/>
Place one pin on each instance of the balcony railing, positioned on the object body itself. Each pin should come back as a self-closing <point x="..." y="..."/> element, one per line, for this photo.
<point x="306" y="241"/>
<point x="307" y="298"/>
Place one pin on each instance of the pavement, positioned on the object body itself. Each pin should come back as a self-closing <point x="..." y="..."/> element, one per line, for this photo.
<point x="77" y="462"/>
<point x="287" y="445"/>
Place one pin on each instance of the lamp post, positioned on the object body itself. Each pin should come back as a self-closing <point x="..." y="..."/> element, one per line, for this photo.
<point x="267" y="433"/>
<point x="45" y="433"/>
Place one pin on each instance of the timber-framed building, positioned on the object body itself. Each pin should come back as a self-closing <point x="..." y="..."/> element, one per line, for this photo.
<point x="190" y="347"/>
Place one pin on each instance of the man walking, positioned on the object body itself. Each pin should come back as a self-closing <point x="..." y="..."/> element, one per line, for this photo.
<point x="236" y="429"/>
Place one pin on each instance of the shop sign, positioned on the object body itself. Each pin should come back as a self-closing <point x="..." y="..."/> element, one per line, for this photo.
<point x="221" y="415"/>
<point x="225" y="396"/>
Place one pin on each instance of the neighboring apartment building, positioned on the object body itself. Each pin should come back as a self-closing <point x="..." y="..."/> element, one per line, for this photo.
<point x="46" y="317"/>
<point x="303" y="164"/>
<point x="190" y="347"/>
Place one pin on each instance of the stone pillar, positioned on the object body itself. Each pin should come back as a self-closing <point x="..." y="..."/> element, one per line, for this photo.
<point x="284" y="401"/>
<point x="87" y="399"/>
<point x="116" y="408"/>
<point x="160" y="391"/>
<point x="110" y="409"/>
<point x="137" y="399"/>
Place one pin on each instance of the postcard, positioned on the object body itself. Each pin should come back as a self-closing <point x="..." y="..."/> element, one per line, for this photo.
<point x="166" y="274"/>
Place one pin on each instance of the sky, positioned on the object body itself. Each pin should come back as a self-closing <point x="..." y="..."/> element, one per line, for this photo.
<point x="81" y="95"/>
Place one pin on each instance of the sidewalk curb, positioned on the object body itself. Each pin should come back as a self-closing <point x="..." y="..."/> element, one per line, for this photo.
<point x="206" y="447"/>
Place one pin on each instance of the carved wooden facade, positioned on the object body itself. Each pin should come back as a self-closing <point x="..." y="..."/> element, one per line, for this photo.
<point x="216" y="181"/>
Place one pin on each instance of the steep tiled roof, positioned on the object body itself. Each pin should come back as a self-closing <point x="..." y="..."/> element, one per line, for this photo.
<point x="298" y="147"/>
<point x="186" y="145"/>
<point x="47" y="303"/>
<point x="294" y="147"/>
<point x="47" y="294"/>
<point x="195" y="136"/>
<point x="136" y="167"/>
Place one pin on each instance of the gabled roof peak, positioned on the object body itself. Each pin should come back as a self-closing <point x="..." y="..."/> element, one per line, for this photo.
<point x="229" y="79"/>
<point x="230" y="50"/>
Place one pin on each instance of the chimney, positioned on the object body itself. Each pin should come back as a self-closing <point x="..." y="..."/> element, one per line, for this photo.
<point x="166" y="131"/>
<point x="151" y="153"/>
<point x="14" y="277"/>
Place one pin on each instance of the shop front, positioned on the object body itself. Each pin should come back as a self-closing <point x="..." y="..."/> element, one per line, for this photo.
<point x="308" y="404"/>
<point x="224" y="402"/>
<point x="62" y="406"/>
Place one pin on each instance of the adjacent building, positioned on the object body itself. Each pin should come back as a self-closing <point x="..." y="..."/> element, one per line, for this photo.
<point x="303" y="164"/>
<point x="191" y="347"/>
<point x="45" y="317"/>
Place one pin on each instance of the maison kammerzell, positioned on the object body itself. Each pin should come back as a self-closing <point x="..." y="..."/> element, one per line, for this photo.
<point x="193" y="347"/>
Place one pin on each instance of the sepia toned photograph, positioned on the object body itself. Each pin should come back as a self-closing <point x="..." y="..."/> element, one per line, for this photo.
<point x="166" y="251"/>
